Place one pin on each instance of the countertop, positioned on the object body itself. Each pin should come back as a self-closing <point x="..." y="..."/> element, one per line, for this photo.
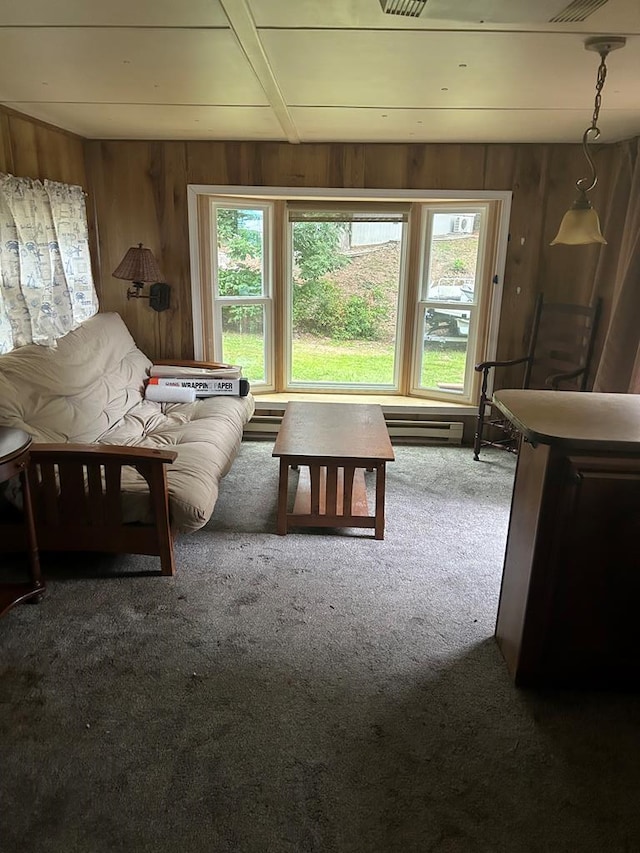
<point x="582" y="420"/>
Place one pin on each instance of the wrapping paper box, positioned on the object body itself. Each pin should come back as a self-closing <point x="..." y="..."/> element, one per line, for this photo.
<point x="204" y="387"/>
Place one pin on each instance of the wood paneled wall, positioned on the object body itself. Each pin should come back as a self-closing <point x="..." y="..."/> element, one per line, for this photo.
<point x="140" y="195"/>
<point x="32" y="149"/>
<point x="137" y="193"/>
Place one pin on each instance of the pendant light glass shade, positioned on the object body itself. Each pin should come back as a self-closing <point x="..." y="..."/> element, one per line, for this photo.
<point x="580" y="225"/>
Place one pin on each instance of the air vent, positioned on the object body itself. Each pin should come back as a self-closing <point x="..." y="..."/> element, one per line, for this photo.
<point x="405" y="8"/>
<point x="509" y="11"/>
<point x="462" y="224"/>
<point x="578" y="10"/>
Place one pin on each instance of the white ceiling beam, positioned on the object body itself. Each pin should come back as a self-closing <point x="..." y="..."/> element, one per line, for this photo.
<point x="244" y="28"/>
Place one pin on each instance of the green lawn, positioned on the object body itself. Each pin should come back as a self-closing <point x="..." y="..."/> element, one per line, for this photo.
<point x="323" y="360"/>
<point x="340" y="362"/>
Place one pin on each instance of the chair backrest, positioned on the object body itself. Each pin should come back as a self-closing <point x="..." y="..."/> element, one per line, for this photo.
<point x="561" y="342"/>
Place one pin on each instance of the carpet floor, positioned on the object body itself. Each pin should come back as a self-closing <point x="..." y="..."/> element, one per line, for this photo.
<point x="321" y="692"/>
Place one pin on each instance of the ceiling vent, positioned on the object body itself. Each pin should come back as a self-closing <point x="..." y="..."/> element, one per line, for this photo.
<point x="578" y="10"/>
<point x="405" y="8"/>
<point x="506" y="11"/>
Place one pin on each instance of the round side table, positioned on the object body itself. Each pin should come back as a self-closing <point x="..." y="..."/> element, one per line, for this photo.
<point x="14" y="459"/>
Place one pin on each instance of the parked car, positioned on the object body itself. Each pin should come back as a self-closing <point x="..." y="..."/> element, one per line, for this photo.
<point x="443" y="324"/>
<point x="452" y="289"/>
<point x="446" y="324"/>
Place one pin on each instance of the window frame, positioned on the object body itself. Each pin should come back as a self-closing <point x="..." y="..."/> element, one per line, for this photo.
<point x="266" y="300"/>
<point x="333" y="387"/>
<point x="197" y="195"/>
<point x="478" y="309"/>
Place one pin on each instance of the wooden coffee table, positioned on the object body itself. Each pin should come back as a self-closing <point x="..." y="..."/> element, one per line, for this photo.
<point x="336" y="442"/>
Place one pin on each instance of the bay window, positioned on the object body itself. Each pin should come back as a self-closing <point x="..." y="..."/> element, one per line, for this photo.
<point x="312" y="291"/>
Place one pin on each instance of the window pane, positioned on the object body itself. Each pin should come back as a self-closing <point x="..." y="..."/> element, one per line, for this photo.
<point x="444" y="352"/>
<point x="344" y="302"/>
<point x="240" y="251"/>
<point x="243" y="339"/>
<point x="453" y="257"/>
<point x="443" y="365"/>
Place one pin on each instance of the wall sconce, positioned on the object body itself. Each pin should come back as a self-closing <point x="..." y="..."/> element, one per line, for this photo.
<point x="580" y="224"/>
<point x="139" y="266"/>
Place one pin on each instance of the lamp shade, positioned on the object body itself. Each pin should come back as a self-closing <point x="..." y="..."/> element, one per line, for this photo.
<point x="579" y="227"/>
<point x="138" y="264"/>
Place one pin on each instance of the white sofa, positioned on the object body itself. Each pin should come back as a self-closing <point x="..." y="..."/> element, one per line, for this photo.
<point x="83" y="403"/>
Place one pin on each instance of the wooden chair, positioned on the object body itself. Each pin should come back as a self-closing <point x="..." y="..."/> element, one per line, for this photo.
<point x="559" y="357"/>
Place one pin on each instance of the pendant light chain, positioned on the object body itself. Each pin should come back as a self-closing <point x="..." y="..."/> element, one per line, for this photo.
<point x="592" y="133"/>
<point x="602" y="76"/>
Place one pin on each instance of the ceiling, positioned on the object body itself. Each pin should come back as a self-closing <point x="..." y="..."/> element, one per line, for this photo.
<point x="318" y="70"/>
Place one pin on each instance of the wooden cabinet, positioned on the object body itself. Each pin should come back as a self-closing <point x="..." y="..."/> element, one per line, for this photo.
<point x="570" y="594"/>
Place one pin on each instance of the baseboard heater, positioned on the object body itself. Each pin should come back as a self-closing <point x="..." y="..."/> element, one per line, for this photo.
<point x="413" y="431"/>
<point x="436" y="432"/>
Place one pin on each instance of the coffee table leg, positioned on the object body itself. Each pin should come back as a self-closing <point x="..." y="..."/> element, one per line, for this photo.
<point x="283" y="491"/>
<point x="380" y="485"/>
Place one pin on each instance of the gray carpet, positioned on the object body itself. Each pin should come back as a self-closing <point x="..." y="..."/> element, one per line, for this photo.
<point x="316" y="692"/>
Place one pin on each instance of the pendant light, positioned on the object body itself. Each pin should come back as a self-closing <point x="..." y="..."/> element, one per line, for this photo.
<point x="580" y="224"/>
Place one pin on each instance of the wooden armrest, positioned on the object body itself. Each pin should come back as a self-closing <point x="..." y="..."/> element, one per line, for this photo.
<point x="98" y="453"/>
<point x="206" y="365"/>
<point x="76" y="491"/>
<point x="485" y="365"/>
<point x="555" y="379"/>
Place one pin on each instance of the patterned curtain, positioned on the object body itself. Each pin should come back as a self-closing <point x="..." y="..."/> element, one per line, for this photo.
<point x="46" y="287"/>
